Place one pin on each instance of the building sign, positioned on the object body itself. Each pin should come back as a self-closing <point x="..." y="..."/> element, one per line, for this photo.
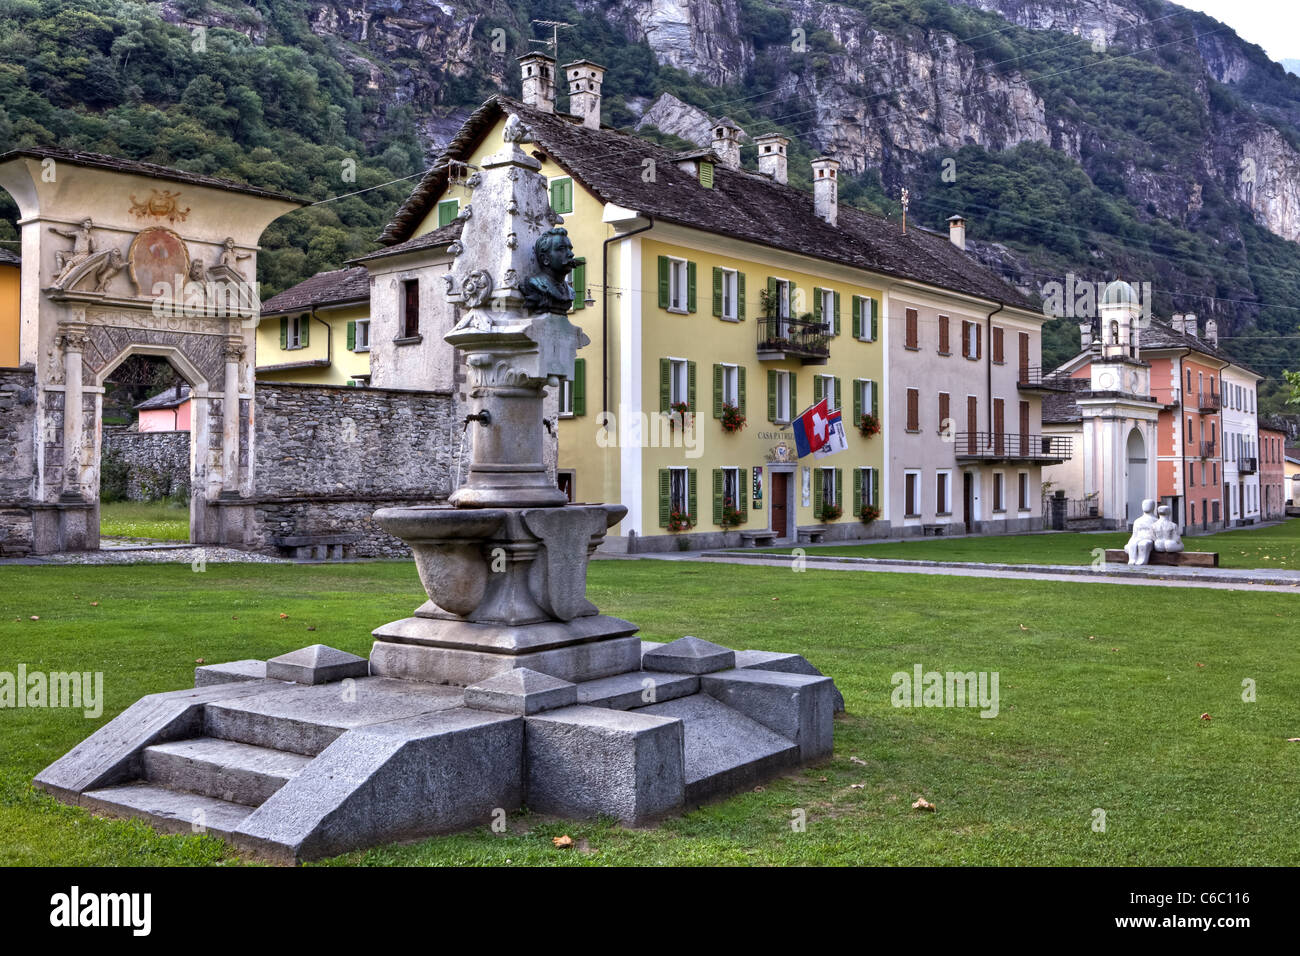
<point x="758" y="487"/>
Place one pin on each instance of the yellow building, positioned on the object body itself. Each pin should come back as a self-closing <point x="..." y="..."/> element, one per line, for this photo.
<point x="318" y="332"/>
<point x="10" y="268"/>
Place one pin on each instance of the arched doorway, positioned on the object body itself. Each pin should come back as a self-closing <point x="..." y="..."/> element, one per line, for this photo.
<point x="1135" y="464"/>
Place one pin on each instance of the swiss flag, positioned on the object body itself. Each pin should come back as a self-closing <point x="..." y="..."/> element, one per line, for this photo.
<point x="819" y="431"/>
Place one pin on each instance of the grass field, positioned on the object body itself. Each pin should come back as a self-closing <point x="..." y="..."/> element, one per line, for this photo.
<point x="1274" y="547"/>
<point x="1094" y="714"/>
<point x="154" y="520"/>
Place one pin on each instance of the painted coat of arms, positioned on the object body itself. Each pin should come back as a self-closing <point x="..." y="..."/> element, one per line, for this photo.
<point x="161" y="204"/>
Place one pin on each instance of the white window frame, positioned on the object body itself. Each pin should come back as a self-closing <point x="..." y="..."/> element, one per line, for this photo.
<point x="972" y="340"/>
<point x="999" y="492"/>
<point x="679" y="475"/>
<point x="828" y="390"/>
<point x="1022" y="479"/>
<point x="679" y="382"/>
<point x="913" y="475"/>
<point x="865" y="305"/>
<point x="783" y="411"/>
<point x="943" y="508"/>
<point x="566" y="398"/>
<point x="827" y="477"/>
<point x="730" y="384"/>
<point x="678" y="283"/>
<point x="730" y="294"/>
<point x="864" y="387"/>
<point x="868" y="485"/>
<point x="363" y="328"/>
<point x="731" y="473"/>
<point x="828" y="309"/>
<point x="293" y="334"/>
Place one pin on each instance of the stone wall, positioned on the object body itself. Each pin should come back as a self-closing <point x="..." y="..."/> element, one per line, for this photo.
<point x="326" y="457"/>
<point x="157" y="463"/>
<point x="17" y="447"/>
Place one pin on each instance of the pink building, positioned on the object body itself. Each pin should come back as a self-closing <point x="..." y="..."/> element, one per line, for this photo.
<point x="167" y="412"/>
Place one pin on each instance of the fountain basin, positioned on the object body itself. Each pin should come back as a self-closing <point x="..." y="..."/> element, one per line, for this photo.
<point x="448" y="547"/>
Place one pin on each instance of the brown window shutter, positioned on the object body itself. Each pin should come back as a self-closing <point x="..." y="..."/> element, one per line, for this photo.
<point x="998" y="352"/>
<point x="1024" y="429"/>
<point x="979" y="339"/>
<point x="944" y="408"/>
<point x="1024" y="352"/>
<point x="910" y="337"/>
<point x="913" y="410"/>
<point x="943" y="335"/>
<point x="965" y="339"/>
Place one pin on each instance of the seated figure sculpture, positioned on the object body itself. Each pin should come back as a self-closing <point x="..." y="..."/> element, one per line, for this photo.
<point x="1167" y="537"/>
<point x="1143" y="538"/>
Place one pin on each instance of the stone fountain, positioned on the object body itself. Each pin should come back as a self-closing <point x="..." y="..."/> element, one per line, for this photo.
<point x="507" y="687"/>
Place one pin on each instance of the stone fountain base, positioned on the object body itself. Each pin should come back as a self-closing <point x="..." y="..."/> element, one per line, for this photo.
<point x="293" y="759"/>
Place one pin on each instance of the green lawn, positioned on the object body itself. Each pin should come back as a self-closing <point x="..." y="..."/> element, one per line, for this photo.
<point x="1094" y="715"/>
<point x="1271" y="548"/>
<point x="155" y="520"/>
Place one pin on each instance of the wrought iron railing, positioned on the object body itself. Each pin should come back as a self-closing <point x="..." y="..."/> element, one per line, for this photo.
<point x="1033" y="376"/>
<point x="1210" y="401"/>
<point x="1013" y="446"/>
<point x="1208" y="450"/>
<point x="792" y="336"/>
<point x="1247" y="466"/>
<point x="1076" y="508"/>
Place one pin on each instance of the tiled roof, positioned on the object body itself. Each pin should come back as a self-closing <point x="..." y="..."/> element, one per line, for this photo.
<point x="741" y="204"/>
<point x="324" y="288"/>
<point x="168" y="399"/>
<point x="9" y="259"/>
<point x="1161" y="335"/>
<point x="1060" y="408"/>
<point x="118" y="164"/>
<point x="430" y="240"/>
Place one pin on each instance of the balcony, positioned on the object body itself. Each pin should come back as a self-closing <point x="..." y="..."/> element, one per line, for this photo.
<point x="1011" y="447"/>
<point x="804" y="339"/>
<point x="1034" y="379"/>
<point x="1208" y="450"/>
<point x="1247" y="466"/>
<point x="1209" y="401"/>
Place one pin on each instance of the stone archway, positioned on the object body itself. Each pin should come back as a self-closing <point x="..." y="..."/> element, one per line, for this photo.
<point x="1135" y="468"/>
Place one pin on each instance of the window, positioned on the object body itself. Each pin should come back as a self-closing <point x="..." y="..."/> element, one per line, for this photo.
<point x="945" y="346"/>
<point x="680" y="495"/>
<point x="1191" y="472"/>
<point x="731" y="486"/>
<point x="579" y="280"/>
<point x="782" y="292"/>
<point x="410" y="308"/>
<point x="728" y="294"/>
<point x="677" y="285"/>
<point x="910" y="333"/>
<point x="562" y="195"/>
<point x="913" y="410"/>
<point x="780" y="396"/>
<point x="728" y="388"/>
<point x="1024" y="490"/>
<point x="359" y="335"/>
<point x="866" y="486"/>
<point x="448" y="210"/>
<point x="826" y="309"/>
<point x="1214" y="471"/>
<point x="729" y="494"/>
<point x="945" y="412"/>
<point x="864" y="318"/>
<point x="999" y="356"/>
<point x="573" y="392"/>
<point x="827" y="387"/>
<point x="911" y="498"/>
<point x="864" y="400"/>
<point x="828" y="488"/>
<point x="676" y="383"/>
<point x="999" y="503"/>
<point x="1189" y="424"/>
<point x="943" y="493"/>
<point x="706" y="175"/>
<point x="971" y="339"/>
<point x="566" y="398"/>
<point x="295" y="332"/>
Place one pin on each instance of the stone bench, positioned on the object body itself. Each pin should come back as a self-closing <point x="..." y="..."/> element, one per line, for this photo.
<point x="758" y="539"/>
<point x="934" y="529"/>
<point x="811" y="535"/>
<point x="315" y="547"/>
<point x="1177" y="559"/>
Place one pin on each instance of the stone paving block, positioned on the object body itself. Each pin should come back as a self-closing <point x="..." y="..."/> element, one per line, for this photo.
<point x="207" y="675"/>
<point x="521" y="691"/>
<point x="787" y="664"/>
<point x="689" y="655"/>
<point x="317" y="664"/>
<point x="636" y="689"/>
<point x="799" y="707"/>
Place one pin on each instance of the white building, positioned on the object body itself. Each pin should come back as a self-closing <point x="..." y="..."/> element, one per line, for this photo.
<point x="1241" y="497"/>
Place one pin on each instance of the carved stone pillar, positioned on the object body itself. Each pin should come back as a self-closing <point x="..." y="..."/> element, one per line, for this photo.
<point x="234" y="354"/>
<point x="73" y="338"/>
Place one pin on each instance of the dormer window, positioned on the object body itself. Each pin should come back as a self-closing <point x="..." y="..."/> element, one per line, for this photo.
<point x="706" y="175"/>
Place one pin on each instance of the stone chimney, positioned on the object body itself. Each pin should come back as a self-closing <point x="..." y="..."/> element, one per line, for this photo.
<point x="539" y="81"/>
<point x="957" y="231"/>
<point x="826" y="188"/>
<point x="1085" y="335"/>
<point x="772" y="156"/>
<point x="1176" y="321"/>
<point x="726" y="142"/>
<point x="1189" y="325"/>
<point x="584" y="79"/>
<point x="1212" y="332"/>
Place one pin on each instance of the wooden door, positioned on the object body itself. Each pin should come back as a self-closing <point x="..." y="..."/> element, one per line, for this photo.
<point x="1024" y="429"/>
<point x="999" y="425"/>
<point x="780" y="489"/>
<point x="968" y="500"/>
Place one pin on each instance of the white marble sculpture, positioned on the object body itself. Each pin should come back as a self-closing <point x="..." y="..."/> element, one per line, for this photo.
<point x="1167" y="537"/>
<point x="1144" y="534"/>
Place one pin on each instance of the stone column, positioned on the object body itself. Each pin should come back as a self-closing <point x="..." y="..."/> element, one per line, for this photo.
<point x="234" y="353"/>
<point x="73" y="339"/>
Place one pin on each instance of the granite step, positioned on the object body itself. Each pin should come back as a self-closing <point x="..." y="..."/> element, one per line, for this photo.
<point x="224" y="769"/>
<point x="725" y="750"/>
<point x="636" y="689"/>
<point x="168" y="811"/>
<point x="307" y="719"/>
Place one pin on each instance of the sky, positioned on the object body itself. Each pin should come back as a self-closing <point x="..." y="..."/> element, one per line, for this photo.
<point x="1273" y="24"/>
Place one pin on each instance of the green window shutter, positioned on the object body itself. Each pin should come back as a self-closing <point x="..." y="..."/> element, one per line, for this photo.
<point x="562" y="196"/>
<point x="352" y="336"/>
<point x="817" y="492"/>
<point x="857" y="487"/>
<point x="580" y="284"/>
<point x="839" y="487"/>
<point x="794" y="401"/>
<point x="839" y="396"/>
<point x="817" y="304"/>
<point x="772" y="295"/>
<point x="817" y="389"/>
<point x="690" y="286"/>
<point x="875" y="401"/>
<point x="857" y="401"/>
<point x="875" y="487"/>
<point x="837" y="313"/>
<point x="743" y="494"/>
<point x="740" y="388"/>
<point x="663" y="282"/>
<point x="771" y="395"/>
<point x="665" y="384"/>
<point x="740" y="296"/>
<point x="706" y="175"/>
<point x="448" y="209"/>
<point x="717" y="496"/>
<point x="875" y="310"/>
<point x="579" y="386"/>
<point x="717" y="391"/>
<point x="284" y="332"/>
<point x="304" y="331"/>
<point x="557" y="196"/>
<point x="857" y="317"/>
<point x="690" y="386"/>
<point x="665" y="496"/>
<point x="691" y="509"/>
<point x="717" y="291"/>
